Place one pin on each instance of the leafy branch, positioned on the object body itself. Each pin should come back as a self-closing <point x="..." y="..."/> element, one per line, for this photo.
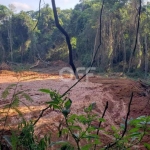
<point x="13" y="104"/>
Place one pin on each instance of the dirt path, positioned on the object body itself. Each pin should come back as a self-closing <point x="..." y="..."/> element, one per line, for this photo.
<point x="116" y="91"/>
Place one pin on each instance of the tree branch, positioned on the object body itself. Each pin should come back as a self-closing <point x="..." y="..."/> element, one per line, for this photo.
<point x="101" y="13"/>
<point x="67" y="38"/>
<point x="106" y="107"/>
<point x="100" y="28"/>
<point x="127" y="116"/>
<point x="126" y="124"/>
<point x="40" y="116"/>
<point x="39" y="15"/>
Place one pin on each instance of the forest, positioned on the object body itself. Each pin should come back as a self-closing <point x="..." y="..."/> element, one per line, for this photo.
<point x="109" y="111"/>
<point x="28" y="36"/>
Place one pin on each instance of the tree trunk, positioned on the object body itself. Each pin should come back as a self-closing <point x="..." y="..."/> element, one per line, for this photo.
<point x="10" y="39"/>
<point x="139" y="53"/>
<point x="110" y="55"/>
<point x="124" y="56"/>
<point x="146" y="57"/>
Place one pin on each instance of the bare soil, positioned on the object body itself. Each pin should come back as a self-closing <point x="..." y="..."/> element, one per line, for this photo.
<point x="116" y="90"/>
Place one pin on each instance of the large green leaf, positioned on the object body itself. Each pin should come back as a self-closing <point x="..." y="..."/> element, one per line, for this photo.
<point x="45" y="91"/>
<point x="68" y="104"/>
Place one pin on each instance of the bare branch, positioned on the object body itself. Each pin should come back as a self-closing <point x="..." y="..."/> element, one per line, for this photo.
<point x="67" y="38"/>
<point x="126" y="125"/>
<point x="106" y="107"/>
<point x="100" y="28"/>
<point x="39" y="15"/>
<point x="127" y="116"/>
<point x="40" y="116"/>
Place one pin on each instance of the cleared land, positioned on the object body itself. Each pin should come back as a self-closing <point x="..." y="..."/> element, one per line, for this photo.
<point x="116" y="91"/>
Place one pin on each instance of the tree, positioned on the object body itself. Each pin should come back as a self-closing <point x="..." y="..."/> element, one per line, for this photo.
<point x="4" y="17"/>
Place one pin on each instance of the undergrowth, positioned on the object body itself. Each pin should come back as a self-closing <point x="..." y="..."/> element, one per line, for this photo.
<point x="82" y="131"/>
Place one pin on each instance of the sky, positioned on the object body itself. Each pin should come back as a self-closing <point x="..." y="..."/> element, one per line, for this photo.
<point x="34" y="4"/>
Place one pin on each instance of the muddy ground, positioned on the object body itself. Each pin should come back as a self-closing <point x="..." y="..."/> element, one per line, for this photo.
<point x="116" y="90"/>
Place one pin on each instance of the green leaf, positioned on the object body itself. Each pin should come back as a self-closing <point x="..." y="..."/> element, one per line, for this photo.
<point x="18" y="111"/>
<point x="19" y="92"/>
<point x="6" y="91"/>
<point x="147" y="146"/>
<point x="90" y="108"/>
<point x="135" y="134"/>
<point x="133" y="130"/>
<point x="56" y="107"/>
<point x="15" y="102"/>
<point x="68" y="104"/>
<point x="92" y="128"/>
<point x="60" y="134"/>
<point x="86" y="147"/>
<point x="72" y="117"/>
<point x="97" y="141"/>
<point x="114" y="128"/>
<point x="27" y="97"/>
<point x="75" y="127"/>
<point x="65" y="131"/>
<point x="82" y="119"/>
<point x="102" y="119"/>
<point x="45" y="91"/>
<point x="5" y="94"/>
<point x="14" y="141"/>
<point x="53" y="103"/>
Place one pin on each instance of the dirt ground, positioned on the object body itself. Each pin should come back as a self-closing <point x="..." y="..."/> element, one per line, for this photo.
<point x="116" y="90"/>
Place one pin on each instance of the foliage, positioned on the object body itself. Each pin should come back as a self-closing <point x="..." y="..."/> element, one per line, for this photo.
<point x="20" y="43"/>
<point x="119" y="24"/>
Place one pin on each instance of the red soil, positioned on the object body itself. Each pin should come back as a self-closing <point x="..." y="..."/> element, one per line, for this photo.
<point x="117" y="91"/>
